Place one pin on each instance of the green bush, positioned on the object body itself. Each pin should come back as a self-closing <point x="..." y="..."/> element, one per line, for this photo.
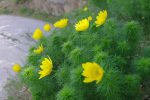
<point x="146" y="52"/>
<point x="114" y="45"/>
<point x="143" y="68"/>
<point x="127" y="10"/>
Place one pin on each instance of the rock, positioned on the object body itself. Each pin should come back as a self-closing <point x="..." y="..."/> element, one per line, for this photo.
<point x="51" y="7"/>
<point x="56" y="7"/>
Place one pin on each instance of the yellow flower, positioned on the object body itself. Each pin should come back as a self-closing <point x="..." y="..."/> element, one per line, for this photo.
<point x="61" y="23"/>
<point x="90" y="18"/>
<point x="39" y="50"/>
<point x="101" y="18"/>
<point x="85" y="8"/>
<point x="92" y="72"/>
<point x="16" y="68"/>
<point x="37" y="34"/>
<point x="82" y="25"/>
<point x="47" y="27"/>
<point x="46" y="67"/>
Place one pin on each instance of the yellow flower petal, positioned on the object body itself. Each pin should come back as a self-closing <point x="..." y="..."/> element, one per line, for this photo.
<point x="46" y="67"/>
<point x="39" y="50"/>
<point x="43" y="74"/>
<point x="16" y="68"/>
<point x="82" y="25"/>
<point x="85" y="8"/>
<point x="37" y="34"/>
<point x="87" y="80"/>
<point x="61" y="23"/>
<point x="90" y="18"/>
<point x="101" y="18"/>
<point x="92" y="72"/>
<point x="47" y="27"/>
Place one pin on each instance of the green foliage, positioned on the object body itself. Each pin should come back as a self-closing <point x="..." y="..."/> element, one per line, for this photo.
<point x="131" y="84"/>
<point x="21" y="1"/>
<point x="99" y="3"/>
<point x="26" y="11"/>
<point x="115" y="46"/>
<point x="62" y="75"/>
<point x="143" y="68"/>
<point x="5" y="11"/>
<point x="127" y="10"/>
<point x="67" y="93"/>
<point x="111" y="85"/>
<point x="132" y="36"/>
<point x="146" y="52"/>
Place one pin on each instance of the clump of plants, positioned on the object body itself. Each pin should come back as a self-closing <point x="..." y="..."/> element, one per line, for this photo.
<point x="92" y="57"/>
<point x="127" y="10"/>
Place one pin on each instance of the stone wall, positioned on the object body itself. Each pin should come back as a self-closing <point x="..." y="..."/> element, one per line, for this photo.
<point x="52" y="7"/>
<point x="56" y="7"/>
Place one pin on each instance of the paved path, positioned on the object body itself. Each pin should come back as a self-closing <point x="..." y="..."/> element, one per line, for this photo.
<point x="15" y="41"/>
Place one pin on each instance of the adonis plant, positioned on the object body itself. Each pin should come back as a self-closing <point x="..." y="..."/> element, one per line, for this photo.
<point x="93" y="57"/>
